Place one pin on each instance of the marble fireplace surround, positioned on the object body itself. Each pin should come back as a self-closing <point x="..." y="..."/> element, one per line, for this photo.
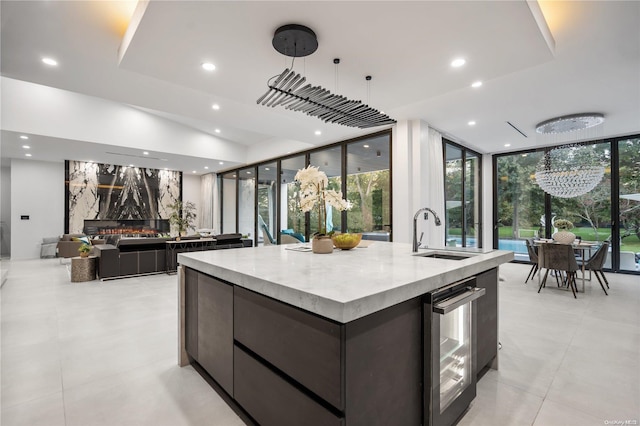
<point x="113" y="192"/>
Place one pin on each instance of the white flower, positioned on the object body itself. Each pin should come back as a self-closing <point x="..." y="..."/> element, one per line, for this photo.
<point x="335" y="199"/>
<point x="311" y="176"/>
<point x="306" y="204"/>
<point x="312" y="191"/>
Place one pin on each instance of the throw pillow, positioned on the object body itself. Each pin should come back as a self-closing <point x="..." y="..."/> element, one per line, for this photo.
<point x="84" y="240"/>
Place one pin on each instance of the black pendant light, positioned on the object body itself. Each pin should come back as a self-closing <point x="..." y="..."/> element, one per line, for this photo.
<point x="288" y="89"/>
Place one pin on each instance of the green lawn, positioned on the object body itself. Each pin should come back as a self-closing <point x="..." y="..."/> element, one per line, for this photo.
<point x="631" y="243"/>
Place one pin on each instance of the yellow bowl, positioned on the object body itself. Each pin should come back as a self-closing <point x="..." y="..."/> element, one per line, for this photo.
<point x="346" y="241"/>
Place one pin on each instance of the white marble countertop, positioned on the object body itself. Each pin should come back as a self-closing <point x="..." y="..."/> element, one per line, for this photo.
<point x="343" y="285"/>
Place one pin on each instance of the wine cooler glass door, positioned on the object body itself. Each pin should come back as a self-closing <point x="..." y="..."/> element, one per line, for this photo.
<point x="455" y="354"/>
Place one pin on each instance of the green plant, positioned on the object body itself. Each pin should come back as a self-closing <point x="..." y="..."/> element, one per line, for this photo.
<point x="563" y="224"/>
<point x="183" y="216"/>
<point x="84" y="249"/>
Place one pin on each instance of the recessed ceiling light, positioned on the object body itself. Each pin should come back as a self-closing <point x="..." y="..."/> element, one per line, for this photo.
<point x="24" y="137"/>
<point x="318" y="132"/>
<point x="458" y="62"/>
<point x="215" y="106"/>
<point x="267" y="169"/>
<point x="50" y="61"/>
<point x="27" y="155"/>
<point x="193" y="171"/>
<point x="476" y="84"/>
<point x="208" y="66"/>
<point x="145" y="152"/>
<point x="217" y="130"/>
<point x="26" y="146"/>
<point x="221" y="163"/>
<point x="471" y="123"/>
<point x="507" y="144"/>
<point x="365" y="146"/>
<point x="166" y="168"/>
<point x="206" y="167"/>
<point x="131" y="165"/>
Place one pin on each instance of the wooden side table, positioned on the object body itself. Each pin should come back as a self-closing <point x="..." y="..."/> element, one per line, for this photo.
<point x="83" y="269"/>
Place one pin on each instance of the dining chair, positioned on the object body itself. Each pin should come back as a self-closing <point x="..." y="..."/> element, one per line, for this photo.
<point x="559" y="257"/>
<point x="533" y="258"/>
<point x="596" y="263"/>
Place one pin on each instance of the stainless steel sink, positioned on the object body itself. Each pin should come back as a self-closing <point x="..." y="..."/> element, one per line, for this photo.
<point x="446" y="255"/>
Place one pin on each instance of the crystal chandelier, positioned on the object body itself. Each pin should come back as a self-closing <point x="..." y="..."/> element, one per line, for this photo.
<point x="569" y="171"/>
<point x="570" y="123"/>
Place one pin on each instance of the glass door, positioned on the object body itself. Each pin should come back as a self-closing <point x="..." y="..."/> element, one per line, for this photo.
<point x="228" y="194"/>
<point x="247" y="203"/>
<point x="463" y="196"/>
<point x="267" y="204"/>
<point x="629" y="205"/>
<point x="456" y="363"/>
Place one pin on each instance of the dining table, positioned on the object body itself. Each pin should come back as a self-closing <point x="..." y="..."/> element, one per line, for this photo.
<point x="583" y="248"/>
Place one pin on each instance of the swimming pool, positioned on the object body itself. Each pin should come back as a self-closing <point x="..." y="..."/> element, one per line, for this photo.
<point x="517" y="246"/>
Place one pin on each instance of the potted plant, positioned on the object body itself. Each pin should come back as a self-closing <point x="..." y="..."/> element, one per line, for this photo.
<point x="183" y="216"/>
<point x="313" y="193"/>
<point x="563" y="235"/>
<point x="84" y="250"/>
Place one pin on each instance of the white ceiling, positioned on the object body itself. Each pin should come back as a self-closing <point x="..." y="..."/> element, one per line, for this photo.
<point x="406" y="47"/>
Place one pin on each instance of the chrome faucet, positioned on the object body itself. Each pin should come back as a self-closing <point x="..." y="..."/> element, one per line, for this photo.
<point x="415" y="225"/>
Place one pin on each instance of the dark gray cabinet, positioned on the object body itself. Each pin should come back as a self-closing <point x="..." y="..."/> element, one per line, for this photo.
<point x="286" y="366"/>
<point x="272" y="400"/>
<point x="215" y="330"/>
<point x="191" y="312"/>
<point x="301" y="345"/>
<point x="487" y="319"/>
<point x="366" y="372"/>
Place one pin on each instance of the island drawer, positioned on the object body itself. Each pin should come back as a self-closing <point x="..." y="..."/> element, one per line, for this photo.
<point x="305" y="347"/>
<point x="271" y="400"/>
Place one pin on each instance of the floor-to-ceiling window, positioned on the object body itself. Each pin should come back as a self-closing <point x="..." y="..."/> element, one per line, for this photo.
<point x="291" y="217"/>
<point x="519" y="206"/>
<point x="267" y="202"/>
<point x="611" y="211"/>
<point x="629" y="203"/>
<point x="462" y="196"/>
<point x="247" y="203"/>
<point x="328" y="161"/>
<point x="228" y="196"/>
<point x="360" y="168"/>
<point x="369" y="187"/>
<point x="590" y="213"/>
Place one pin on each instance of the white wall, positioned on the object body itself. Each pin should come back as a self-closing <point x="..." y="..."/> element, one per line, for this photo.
<point x="417" y="182"/>
<point x="37" y="190"/>
<point x="42" y="110"/>
<point x="487" y="201"/>
<point x="5" y="211"/>
<point x="191" y="192"/>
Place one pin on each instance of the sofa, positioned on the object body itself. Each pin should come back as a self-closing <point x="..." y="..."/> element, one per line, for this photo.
<point x="69" y="244"/>
<point x="125" y="257"/>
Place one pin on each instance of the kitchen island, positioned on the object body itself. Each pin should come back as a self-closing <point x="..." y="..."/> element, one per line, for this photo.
<point x="297" y="338"/>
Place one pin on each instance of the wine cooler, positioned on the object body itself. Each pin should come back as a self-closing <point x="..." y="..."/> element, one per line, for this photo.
<point x="450" y="359"/>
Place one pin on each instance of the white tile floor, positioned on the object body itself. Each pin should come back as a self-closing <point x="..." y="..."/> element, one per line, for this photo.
<point x="104" y="353"/>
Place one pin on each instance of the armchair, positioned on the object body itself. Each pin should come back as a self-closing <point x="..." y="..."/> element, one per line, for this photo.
<point x="69" y="244"/>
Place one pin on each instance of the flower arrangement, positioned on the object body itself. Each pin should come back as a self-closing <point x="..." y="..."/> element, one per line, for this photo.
<point x="314" y="193"/>
<point x="563" y="224"/>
